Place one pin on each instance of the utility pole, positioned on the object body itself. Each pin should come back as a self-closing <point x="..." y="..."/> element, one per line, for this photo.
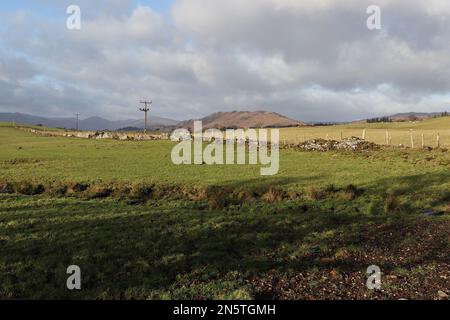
<point x="78" y="117"/>
<point x="145" y="110"/>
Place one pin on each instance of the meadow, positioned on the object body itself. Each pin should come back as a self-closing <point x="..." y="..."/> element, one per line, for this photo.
<point x="142" y="228"/>
<point x="399" y="132"/>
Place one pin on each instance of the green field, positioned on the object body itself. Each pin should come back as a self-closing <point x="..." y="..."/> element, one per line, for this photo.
<point x="141" y="227"/>
<point x="400" y="132"/>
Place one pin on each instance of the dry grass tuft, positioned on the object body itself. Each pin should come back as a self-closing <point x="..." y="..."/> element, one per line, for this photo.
<point x="315" y="194"/>
<point x="447" y="209"/>
<point x="57" y="189"/>
<point x="273" y="195"/>
<point x="29" y="188"/>
<point x="217" y="197"/>
<point x="141" y="191"/>
<point x="245" y="196"/>
<point x="99" y="191"/>
<point x="77" y="187"/>
<point x="351" y="192"/>
<point x="6" y="187"/>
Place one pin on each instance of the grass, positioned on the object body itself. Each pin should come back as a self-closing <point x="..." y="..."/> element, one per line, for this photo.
<point x="400" y="132"/>
<point x="173" y="250"/>
<point x="142" y="228"/>
<point x="25" y="156"/>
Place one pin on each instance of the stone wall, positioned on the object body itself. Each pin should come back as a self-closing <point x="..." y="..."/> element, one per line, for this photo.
<point x="123" y="136"/>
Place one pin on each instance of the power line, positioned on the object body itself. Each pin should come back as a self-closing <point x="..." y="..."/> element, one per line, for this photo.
<point x="78" y="118"/>
<point x="145" y="110"/>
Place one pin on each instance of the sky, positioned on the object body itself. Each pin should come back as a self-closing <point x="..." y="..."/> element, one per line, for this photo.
<point x="309" y="60"/>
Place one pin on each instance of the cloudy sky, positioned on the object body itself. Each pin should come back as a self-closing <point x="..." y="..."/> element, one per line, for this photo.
<point x="310" y="60"/>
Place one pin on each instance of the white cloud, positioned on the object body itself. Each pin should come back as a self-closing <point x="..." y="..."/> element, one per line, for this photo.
<point x="312" y="60"/>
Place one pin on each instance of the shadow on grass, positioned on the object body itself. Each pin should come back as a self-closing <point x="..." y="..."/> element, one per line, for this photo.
<point x="149" y="248"/>
<point x="418" y="192"/>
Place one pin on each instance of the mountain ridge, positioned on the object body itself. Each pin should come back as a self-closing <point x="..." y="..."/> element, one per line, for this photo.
<point x="243" y="119"/>
<point x="90" y="123"/>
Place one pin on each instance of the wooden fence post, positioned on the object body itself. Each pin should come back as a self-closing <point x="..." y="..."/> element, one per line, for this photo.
<point x="438" y="140"/>
<point x="364" y="134"/>
<point x="412" y="139"/>
<point x="423" y="141"/>
<point x="387" y="137"/>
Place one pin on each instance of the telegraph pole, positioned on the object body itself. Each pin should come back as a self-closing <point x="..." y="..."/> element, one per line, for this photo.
<point x="78" y="117"/>
<point x="145" y="110"/>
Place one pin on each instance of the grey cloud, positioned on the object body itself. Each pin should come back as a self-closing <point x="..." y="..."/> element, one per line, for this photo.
<point x="308" y="61"/>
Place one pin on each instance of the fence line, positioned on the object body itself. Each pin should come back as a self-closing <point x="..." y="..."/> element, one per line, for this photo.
<point x="407" y="138"/>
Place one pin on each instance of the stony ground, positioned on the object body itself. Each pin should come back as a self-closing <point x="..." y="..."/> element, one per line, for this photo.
<point x="415" y="263"/>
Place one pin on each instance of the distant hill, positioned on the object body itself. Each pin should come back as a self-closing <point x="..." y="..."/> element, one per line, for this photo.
<point x="92" y="123"/>
<point x="414" y="116"/>
<point x="243" y="119"/>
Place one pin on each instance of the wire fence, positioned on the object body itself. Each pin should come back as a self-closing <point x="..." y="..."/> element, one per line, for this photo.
<point x="396" y="137"/>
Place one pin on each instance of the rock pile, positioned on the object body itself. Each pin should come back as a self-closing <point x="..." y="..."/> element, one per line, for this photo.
<point x="350" y="144"/>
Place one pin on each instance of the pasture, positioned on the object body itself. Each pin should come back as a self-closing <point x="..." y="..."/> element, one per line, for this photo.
<point x="203" y="232"/>
<point x="399" y="132"/>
